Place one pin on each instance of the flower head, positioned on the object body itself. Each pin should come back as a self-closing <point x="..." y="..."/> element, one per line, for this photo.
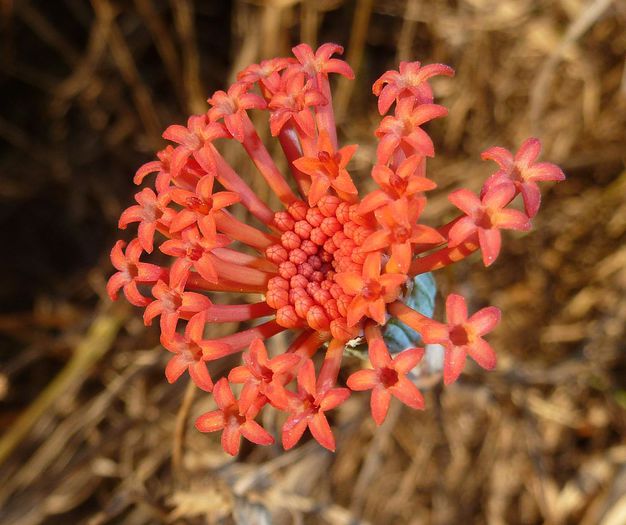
<point x="331" y="265"/>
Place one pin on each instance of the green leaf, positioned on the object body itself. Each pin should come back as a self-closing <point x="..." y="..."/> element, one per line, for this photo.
<point x="420" y="297"/>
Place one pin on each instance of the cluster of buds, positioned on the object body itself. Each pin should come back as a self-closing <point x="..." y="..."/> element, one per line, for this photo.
<point x="331" y="267"/>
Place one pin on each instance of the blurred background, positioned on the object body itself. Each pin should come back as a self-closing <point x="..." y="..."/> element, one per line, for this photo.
<point x="90" y="430"/>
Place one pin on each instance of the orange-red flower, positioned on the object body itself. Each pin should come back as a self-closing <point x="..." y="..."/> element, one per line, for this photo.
<point x="370" y="289"/>
<point x="486" y="217"/>
<point x="388" y="378"/>
<point x="464" y="336"/>
<point x="233" y="420"/>
<point x="131" y="272"/>
<point x="328" y="169"/>
<point x="307" y="407"/>
<point x="332" y="267"/>
<point x="410" y="81"/>
<point x="192" y="352"/>
<point x="523" y="170"/>
<point x="400" y="230"/>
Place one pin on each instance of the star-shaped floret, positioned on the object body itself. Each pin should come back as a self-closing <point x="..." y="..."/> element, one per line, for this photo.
<point x="486" y="217"/>
<point x="307" y="407"/>
<point x="294" y="100"/>
<point x="328" y="170"/>
<point x="524" y="171"/>
<point x="399" y="231"/>
<point x="370" y="290"/>
<point x="388" y="378"/>
<point x="232" y="107"/>
<point x="403" y="130"/>
<point x="407" y="180"/>
<point x="266" y="73"/>
<point x="410" y="80"/>
<point x="259" y="374"/>
<point x="131" y="272"/>
<point x="233" y="420"/>
<point x="172" y="300"/>
<point x="194" y="140"/>
<point x="462" y="336"/>
<point x="194" y="250"/>
<point x="192" y="352"/>
<point x="150" y="212"/>
<point x="321" y="62"/>
<point x="201" y="206"/>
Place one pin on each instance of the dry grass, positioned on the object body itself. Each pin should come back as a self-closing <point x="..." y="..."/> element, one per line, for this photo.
<point x="91" y="431"/>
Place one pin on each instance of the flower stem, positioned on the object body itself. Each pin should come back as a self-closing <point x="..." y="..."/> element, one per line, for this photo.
<point x="442" y="257"/>
<point x="240" y="274"/>
<point x="195" y="282"/>
<point x="244" y="259"/>
<point x="290" y="144"/>
<point x="241" y="340"/>
<point x="242" y="232"/>
<point x="408" y="316"/>
<point x="325" y="115"/>
<point x="229" y="178"/>
<point x="330" y="366"/>
<point x="265" y="164"/>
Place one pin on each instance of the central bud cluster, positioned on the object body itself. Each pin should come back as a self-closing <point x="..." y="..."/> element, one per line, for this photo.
<point x="316" y="243"/>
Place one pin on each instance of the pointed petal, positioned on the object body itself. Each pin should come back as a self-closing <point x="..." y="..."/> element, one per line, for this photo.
<point x="254" y="432"/>
<point x="248" y="396"/>
<point x="134" y="297"/>
<point x="481" y="352"/>
<point x="377" y="311"/>
<point x="490" y="242"/>
<point x="239" y="374"/>
<point x="379" y="404"/>
<point x="194" y="302"/>
<point x="528" y="152"/>
<point x="501" y="156"/>
<point x="485" y="320"/>
<point x="372" y="201"/>
<point x="319" y="427"/>
<point x="456" y="309"/>
<point x="152" y="310"/>
<point x="356" y="310"/>
<point x="532" y="198"/>
<point x="379" y="354"/>
<point x="283" y="363"/>
<point x="407" y="360"/>
<point x="363" y="380"/>
<point x="195" y="327"/>
<point x="292" y="431"/>
<point x="454" y="362"/>
<point x="512" y="220"/>
<point x="376" y="241"/>
<point x="306" y="377"/>
<point x="231" y="439"/>
<point x="333" y="398"/>
<point x="176" y="133"/>
<point x="223" y="395"/>
<point x="175" y="368"/>
<point x="461" y="231"/>
<point x="319" y="188"/>
<point x="408" y="393"/>
<point x="466" y="200"/>
<point x="211" y="421"/>
<point x="543" y="171"/>
<point x="351" y="283"/>
<point x="116" y="281"/>
<point x="200" y="376"/>
<point x="499" y="195"/>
